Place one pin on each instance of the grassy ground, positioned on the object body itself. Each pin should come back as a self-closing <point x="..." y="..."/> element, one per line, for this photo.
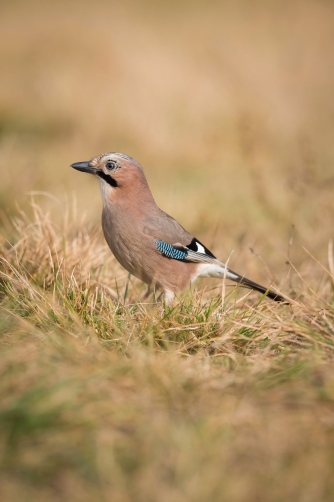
<point x="224" y="396"/>
<point x="106" y="398"/>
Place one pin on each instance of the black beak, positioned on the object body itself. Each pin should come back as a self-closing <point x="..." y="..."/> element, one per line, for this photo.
<point x="84" y="167"/>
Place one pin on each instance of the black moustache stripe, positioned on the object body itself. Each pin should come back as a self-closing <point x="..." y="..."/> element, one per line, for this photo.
<point x="111" y="181"/>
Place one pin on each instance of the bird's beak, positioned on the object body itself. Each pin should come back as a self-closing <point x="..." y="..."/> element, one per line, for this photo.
<point x="84" y="167"/>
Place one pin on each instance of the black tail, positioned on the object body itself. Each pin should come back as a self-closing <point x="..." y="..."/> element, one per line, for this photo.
<point x="270" y="293"/>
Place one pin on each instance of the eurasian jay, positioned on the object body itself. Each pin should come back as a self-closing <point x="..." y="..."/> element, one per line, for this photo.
<point x="145" y="240"/>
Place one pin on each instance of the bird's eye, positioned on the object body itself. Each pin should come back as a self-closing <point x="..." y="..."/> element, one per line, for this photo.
<point x="111" y="164"/>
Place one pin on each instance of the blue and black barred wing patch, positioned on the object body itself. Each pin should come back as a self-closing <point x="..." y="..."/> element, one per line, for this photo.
<point x="170" y="251"/>
<point x="183" y="253"/>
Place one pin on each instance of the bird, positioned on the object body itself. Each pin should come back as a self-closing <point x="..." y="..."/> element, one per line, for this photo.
<point x="146" y="241"/>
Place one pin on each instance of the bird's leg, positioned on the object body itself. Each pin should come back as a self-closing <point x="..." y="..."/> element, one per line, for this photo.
<point x="147" y="294"/>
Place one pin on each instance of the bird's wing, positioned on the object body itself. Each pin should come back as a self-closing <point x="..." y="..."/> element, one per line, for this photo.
<point x="184" y="253"/>
<point x="163" y="228"/>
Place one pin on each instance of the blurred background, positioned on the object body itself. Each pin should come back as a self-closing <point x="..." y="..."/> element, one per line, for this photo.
<point x="228" y="105"/>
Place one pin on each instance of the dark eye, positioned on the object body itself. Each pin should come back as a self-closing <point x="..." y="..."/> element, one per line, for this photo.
<point x="111" y="164"/>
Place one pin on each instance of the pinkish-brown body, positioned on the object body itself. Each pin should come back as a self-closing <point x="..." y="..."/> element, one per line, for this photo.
<point x="130" y="226"/>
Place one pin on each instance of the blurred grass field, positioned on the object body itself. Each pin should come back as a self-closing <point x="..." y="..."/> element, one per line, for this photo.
<point x="229" y="108"/>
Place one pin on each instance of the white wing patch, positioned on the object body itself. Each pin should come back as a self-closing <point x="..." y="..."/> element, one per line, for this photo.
<point x="200" y="248"/>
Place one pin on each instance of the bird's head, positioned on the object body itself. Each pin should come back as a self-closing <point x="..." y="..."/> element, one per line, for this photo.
<point x="114" y="169"/>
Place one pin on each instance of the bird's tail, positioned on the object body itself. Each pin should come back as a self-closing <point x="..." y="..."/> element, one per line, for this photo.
<point x="211" y="267"/>
<point x="270" y="293"/>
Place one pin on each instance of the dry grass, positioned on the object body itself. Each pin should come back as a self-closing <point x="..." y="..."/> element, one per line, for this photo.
<point x="104" y="397"/>
<point x="228" y="105"/>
